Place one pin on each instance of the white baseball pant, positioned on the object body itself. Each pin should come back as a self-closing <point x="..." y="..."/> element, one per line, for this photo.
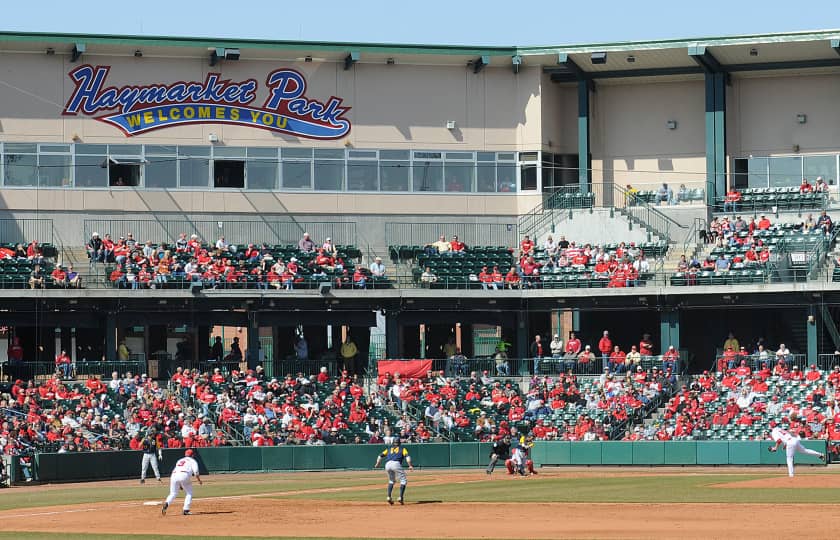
<point x="395" y="471"/>
<point x="791" y="449"/>
<point x="183" y="481"/>
<point x="149" y="459"/>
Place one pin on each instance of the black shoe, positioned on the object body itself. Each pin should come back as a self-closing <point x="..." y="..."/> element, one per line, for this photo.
<point x="390" y="501"/>
<point x="159" y="480"/>
<point x="142" y="481"/>
<point x="400" y="500"/>
<point x="187" y="513"/>
<point x="164" y="508"/>
<point x="489" y="472"/>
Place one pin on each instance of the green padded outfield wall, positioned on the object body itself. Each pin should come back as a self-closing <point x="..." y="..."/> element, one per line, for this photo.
<point x="126" y="464"/>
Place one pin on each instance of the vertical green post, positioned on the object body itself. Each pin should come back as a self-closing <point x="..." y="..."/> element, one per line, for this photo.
<point x="584" y="158"/>
<point x="669" y="326"/>
<point x="811" y="331"/>
<point x="715" y="97"/>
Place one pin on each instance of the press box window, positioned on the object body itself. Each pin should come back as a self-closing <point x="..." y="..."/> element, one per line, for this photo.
<point x="228" y="174"/>
<point x="124" y="171"/>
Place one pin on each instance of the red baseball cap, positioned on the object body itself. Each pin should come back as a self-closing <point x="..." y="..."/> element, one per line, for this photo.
<point x="189" y="452"/>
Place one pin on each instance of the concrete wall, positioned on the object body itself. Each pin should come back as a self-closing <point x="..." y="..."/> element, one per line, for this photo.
<point x="559" y="117"/>
<point x="596" y="227"/>
<point x="761" y="116"/>
<point x="396" y="106"/>
<point x="629" y="138"/>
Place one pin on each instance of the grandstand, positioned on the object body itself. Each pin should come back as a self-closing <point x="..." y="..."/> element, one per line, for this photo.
<point x="262" y="279"/>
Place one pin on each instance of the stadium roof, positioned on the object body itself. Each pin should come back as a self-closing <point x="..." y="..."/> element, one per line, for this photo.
<point x="749" y="53"/>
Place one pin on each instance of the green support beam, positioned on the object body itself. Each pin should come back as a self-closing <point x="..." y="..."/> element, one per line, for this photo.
<point x="811" y="331"/>
<point x="584" y="155"/>
<point x="669" y="329"/>
<point x="715" y="136"/>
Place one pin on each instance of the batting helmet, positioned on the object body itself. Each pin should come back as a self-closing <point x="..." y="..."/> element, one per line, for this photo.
<point x="397" y="441"/>
<point x="189" y="452"/>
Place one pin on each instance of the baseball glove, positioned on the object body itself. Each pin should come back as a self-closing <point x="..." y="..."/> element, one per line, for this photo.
<point x="771" y="449"/>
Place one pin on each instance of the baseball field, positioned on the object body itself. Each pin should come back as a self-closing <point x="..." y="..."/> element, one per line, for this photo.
<point x="684" y="503"/>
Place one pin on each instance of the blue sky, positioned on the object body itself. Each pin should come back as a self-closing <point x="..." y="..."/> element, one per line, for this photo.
<point x="489" y="22"/>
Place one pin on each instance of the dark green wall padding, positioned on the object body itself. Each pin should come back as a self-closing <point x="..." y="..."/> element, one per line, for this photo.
<point x="109" y="465"/>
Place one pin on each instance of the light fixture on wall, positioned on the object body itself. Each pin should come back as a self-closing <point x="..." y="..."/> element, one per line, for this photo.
<point x="213" y="138"/>
<point x="598" y="58"/>
<point x="390" y="61"/>
<point x="50" y="51"/>
<point x="451" y="125"/>
<point x="671" y="124"/>
<point x="630" y="59"/>
<point x="307" y="59"/>
<point x="138" y="53"/>
<point x="796" y="148"/>
<point x="801" y="118"/>
<point x="753" y="52"/>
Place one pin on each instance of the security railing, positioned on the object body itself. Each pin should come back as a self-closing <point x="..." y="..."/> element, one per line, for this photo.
<point x="79" y="370"/>
<point x="548" y="365"/>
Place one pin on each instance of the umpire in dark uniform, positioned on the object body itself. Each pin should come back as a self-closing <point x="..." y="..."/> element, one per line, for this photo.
<point x="500" y="450"/>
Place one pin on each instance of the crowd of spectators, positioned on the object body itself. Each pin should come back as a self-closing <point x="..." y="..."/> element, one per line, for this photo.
<point x="621" y="266"/>
<point x="746" y="404"/>
<point x="574" y="355"/>
<point x="483" y="408"/>
<point x="59" y="416"/>
<point x="142" y="265"/>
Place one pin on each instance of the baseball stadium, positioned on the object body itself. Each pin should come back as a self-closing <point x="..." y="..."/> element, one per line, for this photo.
<point x="367" y="290"/>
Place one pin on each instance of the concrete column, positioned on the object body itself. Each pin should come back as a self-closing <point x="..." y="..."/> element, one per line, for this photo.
<point x="253" y="346"/>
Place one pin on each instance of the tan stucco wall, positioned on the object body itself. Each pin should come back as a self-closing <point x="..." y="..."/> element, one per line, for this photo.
<point x="396" y="106"/>
<point x="762" y="115"/>
<point x="128" y="200"/>
<point x="630" y="141"/>
<point x="559" y="117"/>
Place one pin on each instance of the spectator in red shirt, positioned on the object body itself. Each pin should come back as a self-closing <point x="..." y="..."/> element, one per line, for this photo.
<point x="618" y="359"/>
<point x="670" y="359"/>
<point x="730" y="202"/>
<point x="646" y="346"/>
<point x="526" y="246"/>
<point x="763" y="223"/>
<point x="805" y="187"/>
<point x="605" y="346"/>
<point x="456" y="246"/>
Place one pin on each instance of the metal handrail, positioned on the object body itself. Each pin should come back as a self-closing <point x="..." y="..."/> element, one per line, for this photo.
<point x="639" y="209"/>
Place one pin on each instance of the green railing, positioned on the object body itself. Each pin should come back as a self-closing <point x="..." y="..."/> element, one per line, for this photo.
<point x="644" y="213"/>
<point x="238" y="232"/>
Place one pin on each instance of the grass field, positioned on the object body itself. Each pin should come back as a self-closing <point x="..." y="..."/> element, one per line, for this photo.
<point x="582" y="503"/>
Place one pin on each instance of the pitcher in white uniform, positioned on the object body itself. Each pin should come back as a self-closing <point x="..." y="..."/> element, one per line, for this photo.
<point x="793" y="444"/>
<point x="181" y="478"/>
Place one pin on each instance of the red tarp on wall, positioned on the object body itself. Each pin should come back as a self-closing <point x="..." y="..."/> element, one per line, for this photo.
<point x="408" y="369"/>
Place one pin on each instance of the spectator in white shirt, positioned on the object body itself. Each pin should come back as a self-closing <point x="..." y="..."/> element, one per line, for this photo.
<point x="377" y="269"/>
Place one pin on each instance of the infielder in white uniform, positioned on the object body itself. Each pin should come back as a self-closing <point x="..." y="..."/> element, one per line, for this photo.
<point x="792" y="444"/>
<point x="181" y="478"/>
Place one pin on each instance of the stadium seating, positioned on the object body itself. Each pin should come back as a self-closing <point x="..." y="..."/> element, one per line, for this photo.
<point x="461" y="271"/>
<point x="309" y="275"/>
<point x="780" y="240"/>
<point x="688" y="196"/>
<point x="781" y="198"/>
<point x="732" y="406"/>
